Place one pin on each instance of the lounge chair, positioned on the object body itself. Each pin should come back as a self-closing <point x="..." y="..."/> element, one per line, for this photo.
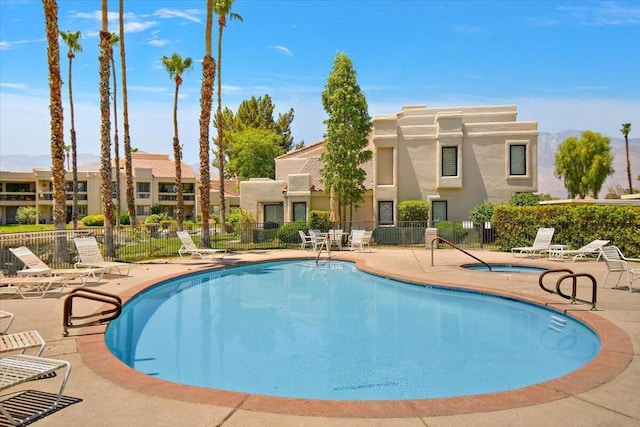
<point x="20" y="368"/>
<point x="22" y="341"/>
<point x="540" y="244"/>
<point x="6" y="315"/>
<point x="36" y="267"/>
<point x="318" y="240"/>
<point x="36" y="287"/>
<point x="590" y="249"/>
<point x="189" y="247"/>
<point x="306" y="240"/>
<point x="90" y="256"/>
<point x="617" y="263"/>
<point x="359" y="239"/>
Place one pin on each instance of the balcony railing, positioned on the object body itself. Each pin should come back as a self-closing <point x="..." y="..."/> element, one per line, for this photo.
<point x="18" y="197"/>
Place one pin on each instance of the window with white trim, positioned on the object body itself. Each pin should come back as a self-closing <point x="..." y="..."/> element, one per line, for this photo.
<point x="517" y="159"/>
<point x="438" y="210"/>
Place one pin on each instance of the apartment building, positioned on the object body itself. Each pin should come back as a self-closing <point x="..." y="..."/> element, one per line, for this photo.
<point x="154" y="185"/>
<point x="453" y="157"/>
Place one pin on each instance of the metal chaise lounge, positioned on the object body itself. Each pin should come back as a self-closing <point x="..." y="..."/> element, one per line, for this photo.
<point x="540" y="244"/>
<point x="20" y="368"/>
<point x="36" y="267"/>
<point x="189" y="247"/>
<point x="590" y="249"/>
<point x="90" y="256"/>
<point x="37" y="287"/>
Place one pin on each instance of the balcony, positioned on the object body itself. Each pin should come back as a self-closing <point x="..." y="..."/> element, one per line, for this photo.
<point x="21" y="196"/>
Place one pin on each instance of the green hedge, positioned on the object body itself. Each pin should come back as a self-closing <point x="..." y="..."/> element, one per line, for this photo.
<point x="574" y="225"/>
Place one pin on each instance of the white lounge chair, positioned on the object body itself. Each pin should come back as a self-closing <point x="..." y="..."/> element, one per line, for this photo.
<point x="318" y="240"/>
<point x="20" y="368"/>
<point x="540" y="244"/>
<point x="9" y="316"/>
<point x="22" y="341"/>
<point x="36" y="267"/>
<point x="31" y="287"/>
<point x="189" y="247"/>
<point x="358" y="239"/>
<point x="590" y="249"/>
<point x="306" y="240"/>
<point x="90" y="256"/>
<point x="617" y="263"/>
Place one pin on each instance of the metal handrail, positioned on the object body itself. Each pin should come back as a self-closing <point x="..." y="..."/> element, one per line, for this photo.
<point x="574" y="278"/>
<point x="442" y="239"/>
<point x="94" y="295"/>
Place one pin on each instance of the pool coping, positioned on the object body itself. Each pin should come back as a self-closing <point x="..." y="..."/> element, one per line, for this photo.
<point x="615" y="355"/>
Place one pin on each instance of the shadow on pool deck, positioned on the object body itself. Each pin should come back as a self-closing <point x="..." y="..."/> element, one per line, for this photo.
<point x="603" y="393"/>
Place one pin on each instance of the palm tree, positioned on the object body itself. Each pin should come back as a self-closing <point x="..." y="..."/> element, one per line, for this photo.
<point x="626" y="128"/>
<point x="57" y="121"/>
<point x="222" y="8"/>
<point x="105" y="132"/>
<point x="176" y="66"/>
<point x="131" y="207"/>
<point x="206" y="100"/>
<point x="73" y="43"/>
<point x="116" y="148"/>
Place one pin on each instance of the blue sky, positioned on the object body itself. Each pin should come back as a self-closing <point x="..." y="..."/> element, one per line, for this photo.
<point x="566" y="64"/>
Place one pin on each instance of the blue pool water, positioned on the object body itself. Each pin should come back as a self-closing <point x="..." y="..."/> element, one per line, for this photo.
<point x="330" y="331"/>
<point x="505" y="268"/>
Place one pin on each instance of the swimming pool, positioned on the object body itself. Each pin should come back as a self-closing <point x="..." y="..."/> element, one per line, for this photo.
<point x="332" y="332"/>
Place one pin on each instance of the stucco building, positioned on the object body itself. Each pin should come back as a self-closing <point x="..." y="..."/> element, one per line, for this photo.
<point x="453" y="157"/>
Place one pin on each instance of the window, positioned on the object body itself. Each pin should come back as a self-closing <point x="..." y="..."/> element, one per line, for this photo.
<point x="143" y="210"/>
<point x="300" y="211"/>
<point x="517" y="159"/>
<point x="274" y="213"/>
<point x="385" y="213"/>
<point x="188" y="188"/>
<point x="82" y="186"/>
<point x="439" y="210"/>
<point x="113" y="190"/>
<point x="167" y="187"/>
<point x="449" y="161"/>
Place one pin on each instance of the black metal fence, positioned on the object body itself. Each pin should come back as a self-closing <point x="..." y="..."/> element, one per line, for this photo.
<point x="56" y="248"/>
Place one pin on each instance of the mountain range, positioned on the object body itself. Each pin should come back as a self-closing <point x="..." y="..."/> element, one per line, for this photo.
<point x="547" y="147"/>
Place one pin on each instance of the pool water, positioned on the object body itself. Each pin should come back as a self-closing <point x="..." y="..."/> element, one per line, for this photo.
<point x="505" y="268"/>
<point x="330" y="331"/>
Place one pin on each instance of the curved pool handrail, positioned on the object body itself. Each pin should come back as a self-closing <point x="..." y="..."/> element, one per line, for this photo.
<point x="442" y="239"/>
<point x="574" y="281"/>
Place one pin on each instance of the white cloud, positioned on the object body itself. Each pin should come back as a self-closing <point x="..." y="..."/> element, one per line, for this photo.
<point x="284" y="50"/>
<point x="158" y="42"/>
<point x="189" y="14"/>
<point x="601" y="13"/>
<point x="17" y="86"/>
<point x="5" y="45"/>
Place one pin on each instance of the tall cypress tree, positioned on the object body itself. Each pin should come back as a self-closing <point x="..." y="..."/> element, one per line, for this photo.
<point x="348" y="127"/>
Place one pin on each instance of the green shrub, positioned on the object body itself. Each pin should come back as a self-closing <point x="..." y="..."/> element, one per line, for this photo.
<point x="482" y="212"/>
<point x="288" y="233"/>
<point x="524" y="199"/>
<point x="319" y="220"/>
<point x="26" y="215"/>
<point x="157" y="218"/>
<point x="451" y="231"/>
<point x="156" y="209"/>
<point x="414" y="210"/>
<point x="93" y="220"/>
<point x="124" y="218"/>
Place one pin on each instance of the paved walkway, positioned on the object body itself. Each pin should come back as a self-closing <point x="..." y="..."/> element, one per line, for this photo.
<point x="113" y="396"/>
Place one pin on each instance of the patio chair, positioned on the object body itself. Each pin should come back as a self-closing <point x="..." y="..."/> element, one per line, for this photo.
<point x="6" y="315"/>
<point x="20" y="368"/>
<point x="36" y="267"/>
<point x="22" y="341"/>
<point x="590" y="249"/>
<point x="360" y="239"/>
<point x="617" y="263"/>
<point x="31" y="287"/>
<point x="306" y="240"/>
<point x="540" y="244"/>
<point x="318" y="240"/>
<point x="335" y="238"/>
<point x="189" y="247"/>
<point x="90" y="256"/>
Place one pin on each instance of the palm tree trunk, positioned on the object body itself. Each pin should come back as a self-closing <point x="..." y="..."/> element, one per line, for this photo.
<point x="74" y="151"/>
<point x="131" y="207"/>
<point x="177" y="153"/>
<point x="105" y="133"/>
<point x="57" y="130"/>
<point x="223" y="217"/>
<point x="206" y="101"/>
<point x="626" y="144"/>
<point x="116" y="146"/>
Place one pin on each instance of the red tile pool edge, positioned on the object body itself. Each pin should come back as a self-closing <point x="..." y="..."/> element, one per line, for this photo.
<point x="615" y="354"/>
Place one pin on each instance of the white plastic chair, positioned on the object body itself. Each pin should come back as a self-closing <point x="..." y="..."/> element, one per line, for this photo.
<point x="540" y="244"/>
<point x="617" y="263"/>
<point x="306" y="240"/>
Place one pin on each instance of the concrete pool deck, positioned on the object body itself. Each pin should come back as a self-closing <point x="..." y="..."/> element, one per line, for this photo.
<point x="604" y="392"/>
